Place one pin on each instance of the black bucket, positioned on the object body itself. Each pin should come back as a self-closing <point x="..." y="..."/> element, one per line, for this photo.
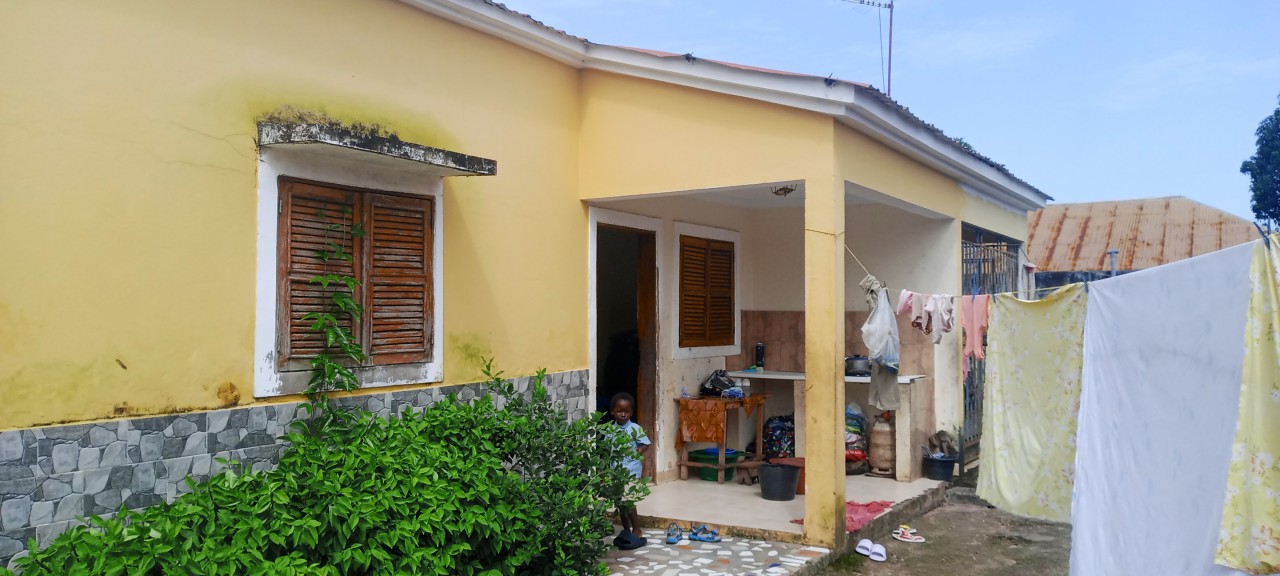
<point x="939" y="468"/>
<point x="778" y="481"/>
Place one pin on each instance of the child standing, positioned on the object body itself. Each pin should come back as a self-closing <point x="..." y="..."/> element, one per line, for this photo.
<point x="621" y="407"/>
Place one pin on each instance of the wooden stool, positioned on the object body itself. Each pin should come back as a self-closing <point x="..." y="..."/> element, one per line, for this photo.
<point x="748" y="472"/>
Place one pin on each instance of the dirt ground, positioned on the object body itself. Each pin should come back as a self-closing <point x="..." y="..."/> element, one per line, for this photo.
<point x="967" y="538"/>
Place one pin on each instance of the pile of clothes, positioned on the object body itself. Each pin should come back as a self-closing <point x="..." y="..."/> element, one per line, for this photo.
<point x="855" y="436"/>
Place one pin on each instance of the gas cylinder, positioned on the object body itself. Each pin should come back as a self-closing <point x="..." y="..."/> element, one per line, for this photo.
<point x="881" y="457"/>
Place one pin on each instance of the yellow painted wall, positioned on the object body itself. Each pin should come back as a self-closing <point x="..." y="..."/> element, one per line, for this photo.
<point x="128" y="183"/>
<point x="998" y="219"/>
<point x="868" y="163"/>
<point x="128" y="189"/>
<point x="644" y="137"/>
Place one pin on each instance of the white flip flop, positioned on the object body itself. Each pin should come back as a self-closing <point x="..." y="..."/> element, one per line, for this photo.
<point x="878" y="553"/>
<point x="864" y="547"/>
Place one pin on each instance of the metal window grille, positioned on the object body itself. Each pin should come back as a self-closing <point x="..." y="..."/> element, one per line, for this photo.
<point x="988" y="268"/>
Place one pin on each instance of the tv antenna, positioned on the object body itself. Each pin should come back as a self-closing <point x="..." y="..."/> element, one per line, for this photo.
<point x="888" y="88"/>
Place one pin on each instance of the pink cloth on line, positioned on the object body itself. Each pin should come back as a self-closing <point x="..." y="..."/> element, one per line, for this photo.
<point x="973" y="317"/>
<point x="904" y="301"/>
<point x="857" y="514"/>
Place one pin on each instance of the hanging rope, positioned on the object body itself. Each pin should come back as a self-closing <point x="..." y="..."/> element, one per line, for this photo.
<point x="855" y="259"/>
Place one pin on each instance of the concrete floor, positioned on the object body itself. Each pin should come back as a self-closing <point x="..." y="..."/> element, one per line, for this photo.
<point x="966" y="538"/>
<point x="732" y="504"/>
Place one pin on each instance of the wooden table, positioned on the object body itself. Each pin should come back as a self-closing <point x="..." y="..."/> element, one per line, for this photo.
<point x="753" y="403"/>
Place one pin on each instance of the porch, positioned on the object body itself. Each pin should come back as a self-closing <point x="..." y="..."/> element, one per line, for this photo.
<point x="739" y="510"/>
<point x="636" y="251"/>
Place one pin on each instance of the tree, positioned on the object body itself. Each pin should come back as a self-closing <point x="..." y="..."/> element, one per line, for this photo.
<point x="1264" y="170"/>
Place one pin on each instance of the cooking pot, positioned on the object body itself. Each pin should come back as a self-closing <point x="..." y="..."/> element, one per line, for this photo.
<point x="856" y="365"/>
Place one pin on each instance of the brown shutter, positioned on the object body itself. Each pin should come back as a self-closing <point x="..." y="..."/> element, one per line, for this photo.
<point x="720" y="315"/>
<point x="707" y="315"/>
<point x="693" y="292"/>
<point x="310" y="218"/>
<point x="399" y="304"/>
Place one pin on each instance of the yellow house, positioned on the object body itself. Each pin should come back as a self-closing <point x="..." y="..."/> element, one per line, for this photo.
<point x="160" y="164"/>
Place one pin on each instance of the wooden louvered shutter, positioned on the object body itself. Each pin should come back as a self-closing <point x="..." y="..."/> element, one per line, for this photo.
<point x="720" y="314"/>
<point x="399" y="279"/>
<point x="312" y="217"/>
<point x="707" y="316"/>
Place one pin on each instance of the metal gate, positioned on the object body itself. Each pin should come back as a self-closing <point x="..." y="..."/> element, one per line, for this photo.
<point x="988" y="268"/>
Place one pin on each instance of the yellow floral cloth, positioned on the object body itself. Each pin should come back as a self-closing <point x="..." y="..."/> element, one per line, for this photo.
<point x="1250" y="537"/>
<point x="1031" y="399"/>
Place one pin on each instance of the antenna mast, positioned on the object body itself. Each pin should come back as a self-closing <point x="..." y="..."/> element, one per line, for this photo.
<point x="888" y="89"/>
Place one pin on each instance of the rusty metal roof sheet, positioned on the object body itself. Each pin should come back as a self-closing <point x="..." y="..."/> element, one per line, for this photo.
<point x="1147" y="232"/>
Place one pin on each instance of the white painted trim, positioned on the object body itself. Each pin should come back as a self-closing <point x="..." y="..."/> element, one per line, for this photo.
<point x="597" y="216"/>
<point x="687" y="229"/>
<point x="283" y="160"/>
<point x="509" y="26"/>
<point x="851" y="104"/>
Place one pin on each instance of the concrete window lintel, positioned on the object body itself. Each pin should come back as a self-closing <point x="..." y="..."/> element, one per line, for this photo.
<point x="340" y="142"/>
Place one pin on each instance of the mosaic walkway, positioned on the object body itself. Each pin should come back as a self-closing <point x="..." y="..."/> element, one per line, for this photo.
<point x="732" y="556"/>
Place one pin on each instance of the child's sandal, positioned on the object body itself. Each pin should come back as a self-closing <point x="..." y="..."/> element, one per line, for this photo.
<point x="674" y="533"/>
<point x="704" y="534"/>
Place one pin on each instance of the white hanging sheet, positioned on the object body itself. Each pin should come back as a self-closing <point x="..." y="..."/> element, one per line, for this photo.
<point x="1163" y="353"/>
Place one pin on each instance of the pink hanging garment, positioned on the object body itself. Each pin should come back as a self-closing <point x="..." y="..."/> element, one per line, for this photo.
<point x="904" y="301"/>
<point x="973" y="318"/>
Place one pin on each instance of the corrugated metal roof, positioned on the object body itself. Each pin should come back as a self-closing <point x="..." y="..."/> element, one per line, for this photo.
<point x="1147" y="232"/>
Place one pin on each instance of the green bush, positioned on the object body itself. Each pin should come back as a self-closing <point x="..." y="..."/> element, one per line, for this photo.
<point x="466" y="489"/>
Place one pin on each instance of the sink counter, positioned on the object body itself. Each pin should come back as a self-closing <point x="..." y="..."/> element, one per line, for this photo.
<point x="797" y="376"/>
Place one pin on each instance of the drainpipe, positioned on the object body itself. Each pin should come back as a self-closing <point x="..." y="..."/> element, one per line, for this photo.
<point x="1112" y="253"/>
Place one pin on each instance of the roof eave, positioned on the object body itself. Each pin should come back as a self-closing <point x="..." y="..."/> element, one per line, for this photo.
<point x="863" y="109"/>
<point x="507" y="25"/>
<point x="870" y="115"/>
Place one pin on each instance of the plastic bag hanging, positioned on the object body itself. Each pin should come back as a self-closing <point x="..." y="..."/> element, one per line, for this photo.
<point x="880" y="334"/>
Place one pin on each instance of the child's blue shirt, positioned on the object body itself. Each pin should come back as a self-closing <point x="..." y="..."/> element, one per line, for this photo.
<point x="638" y="438"/>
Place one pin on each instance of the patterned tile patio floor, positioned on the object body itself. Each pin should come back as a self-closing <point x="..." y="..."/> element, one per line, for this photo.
<point x="732" y="556"/>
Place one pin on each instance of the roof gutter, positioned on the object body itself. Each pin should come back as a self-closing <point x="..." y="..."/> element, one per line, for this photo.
<point x="863" y="109"/>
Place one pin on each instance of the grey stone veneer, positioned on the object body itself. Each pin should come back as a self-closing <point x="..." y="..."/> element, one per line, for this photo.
<point x="51" y="478"/>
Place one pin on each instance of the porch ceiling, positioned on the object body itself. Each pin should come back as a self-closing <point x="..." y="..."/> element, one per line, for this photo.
<point x="762" y="197"/>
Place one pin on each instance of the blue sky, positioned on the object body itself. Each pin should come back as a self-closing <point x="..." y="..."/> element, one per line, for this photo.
<point x="1083" y="100"/>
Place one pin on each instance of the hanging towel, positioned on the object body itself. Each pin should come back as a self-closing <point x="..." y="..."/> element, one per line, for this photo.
<point x="1163" y="354"/>
<point x="701" y="420"/>
<point x="1031" y="400"/>
<point x="1250" y="535"/>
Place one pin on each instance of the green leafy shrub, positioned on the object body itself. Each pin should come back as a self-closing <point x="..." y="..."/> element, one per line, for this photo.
<point x="465" y="489"/>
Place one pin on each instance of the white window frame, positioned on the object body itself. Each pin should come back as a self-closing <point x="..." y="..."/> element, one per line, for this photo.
<point x="299" y="162"/>
<point x="734" y="237"/>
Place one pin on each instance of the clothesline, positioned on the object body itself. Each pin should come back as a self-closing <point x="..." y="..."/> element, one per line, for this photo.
<point x="1033" y="290"/>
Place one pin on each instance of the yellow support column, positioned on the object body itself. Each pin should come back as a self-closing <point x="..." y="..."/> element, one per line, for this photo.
<point x="824" y="362"/>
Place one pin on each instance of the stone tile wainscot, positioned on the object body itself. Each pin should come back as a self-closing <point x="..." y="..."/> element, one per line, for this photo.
<point x="52" y="477"/>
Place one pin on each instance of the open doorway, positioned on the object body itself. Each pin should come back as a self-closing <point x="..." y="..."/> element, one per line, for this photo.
<point x="626" y="322"/>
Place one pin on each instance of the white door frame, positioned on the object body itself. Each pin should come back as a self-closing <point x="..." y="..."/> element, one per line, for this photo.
<point x="597" y="216"/>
